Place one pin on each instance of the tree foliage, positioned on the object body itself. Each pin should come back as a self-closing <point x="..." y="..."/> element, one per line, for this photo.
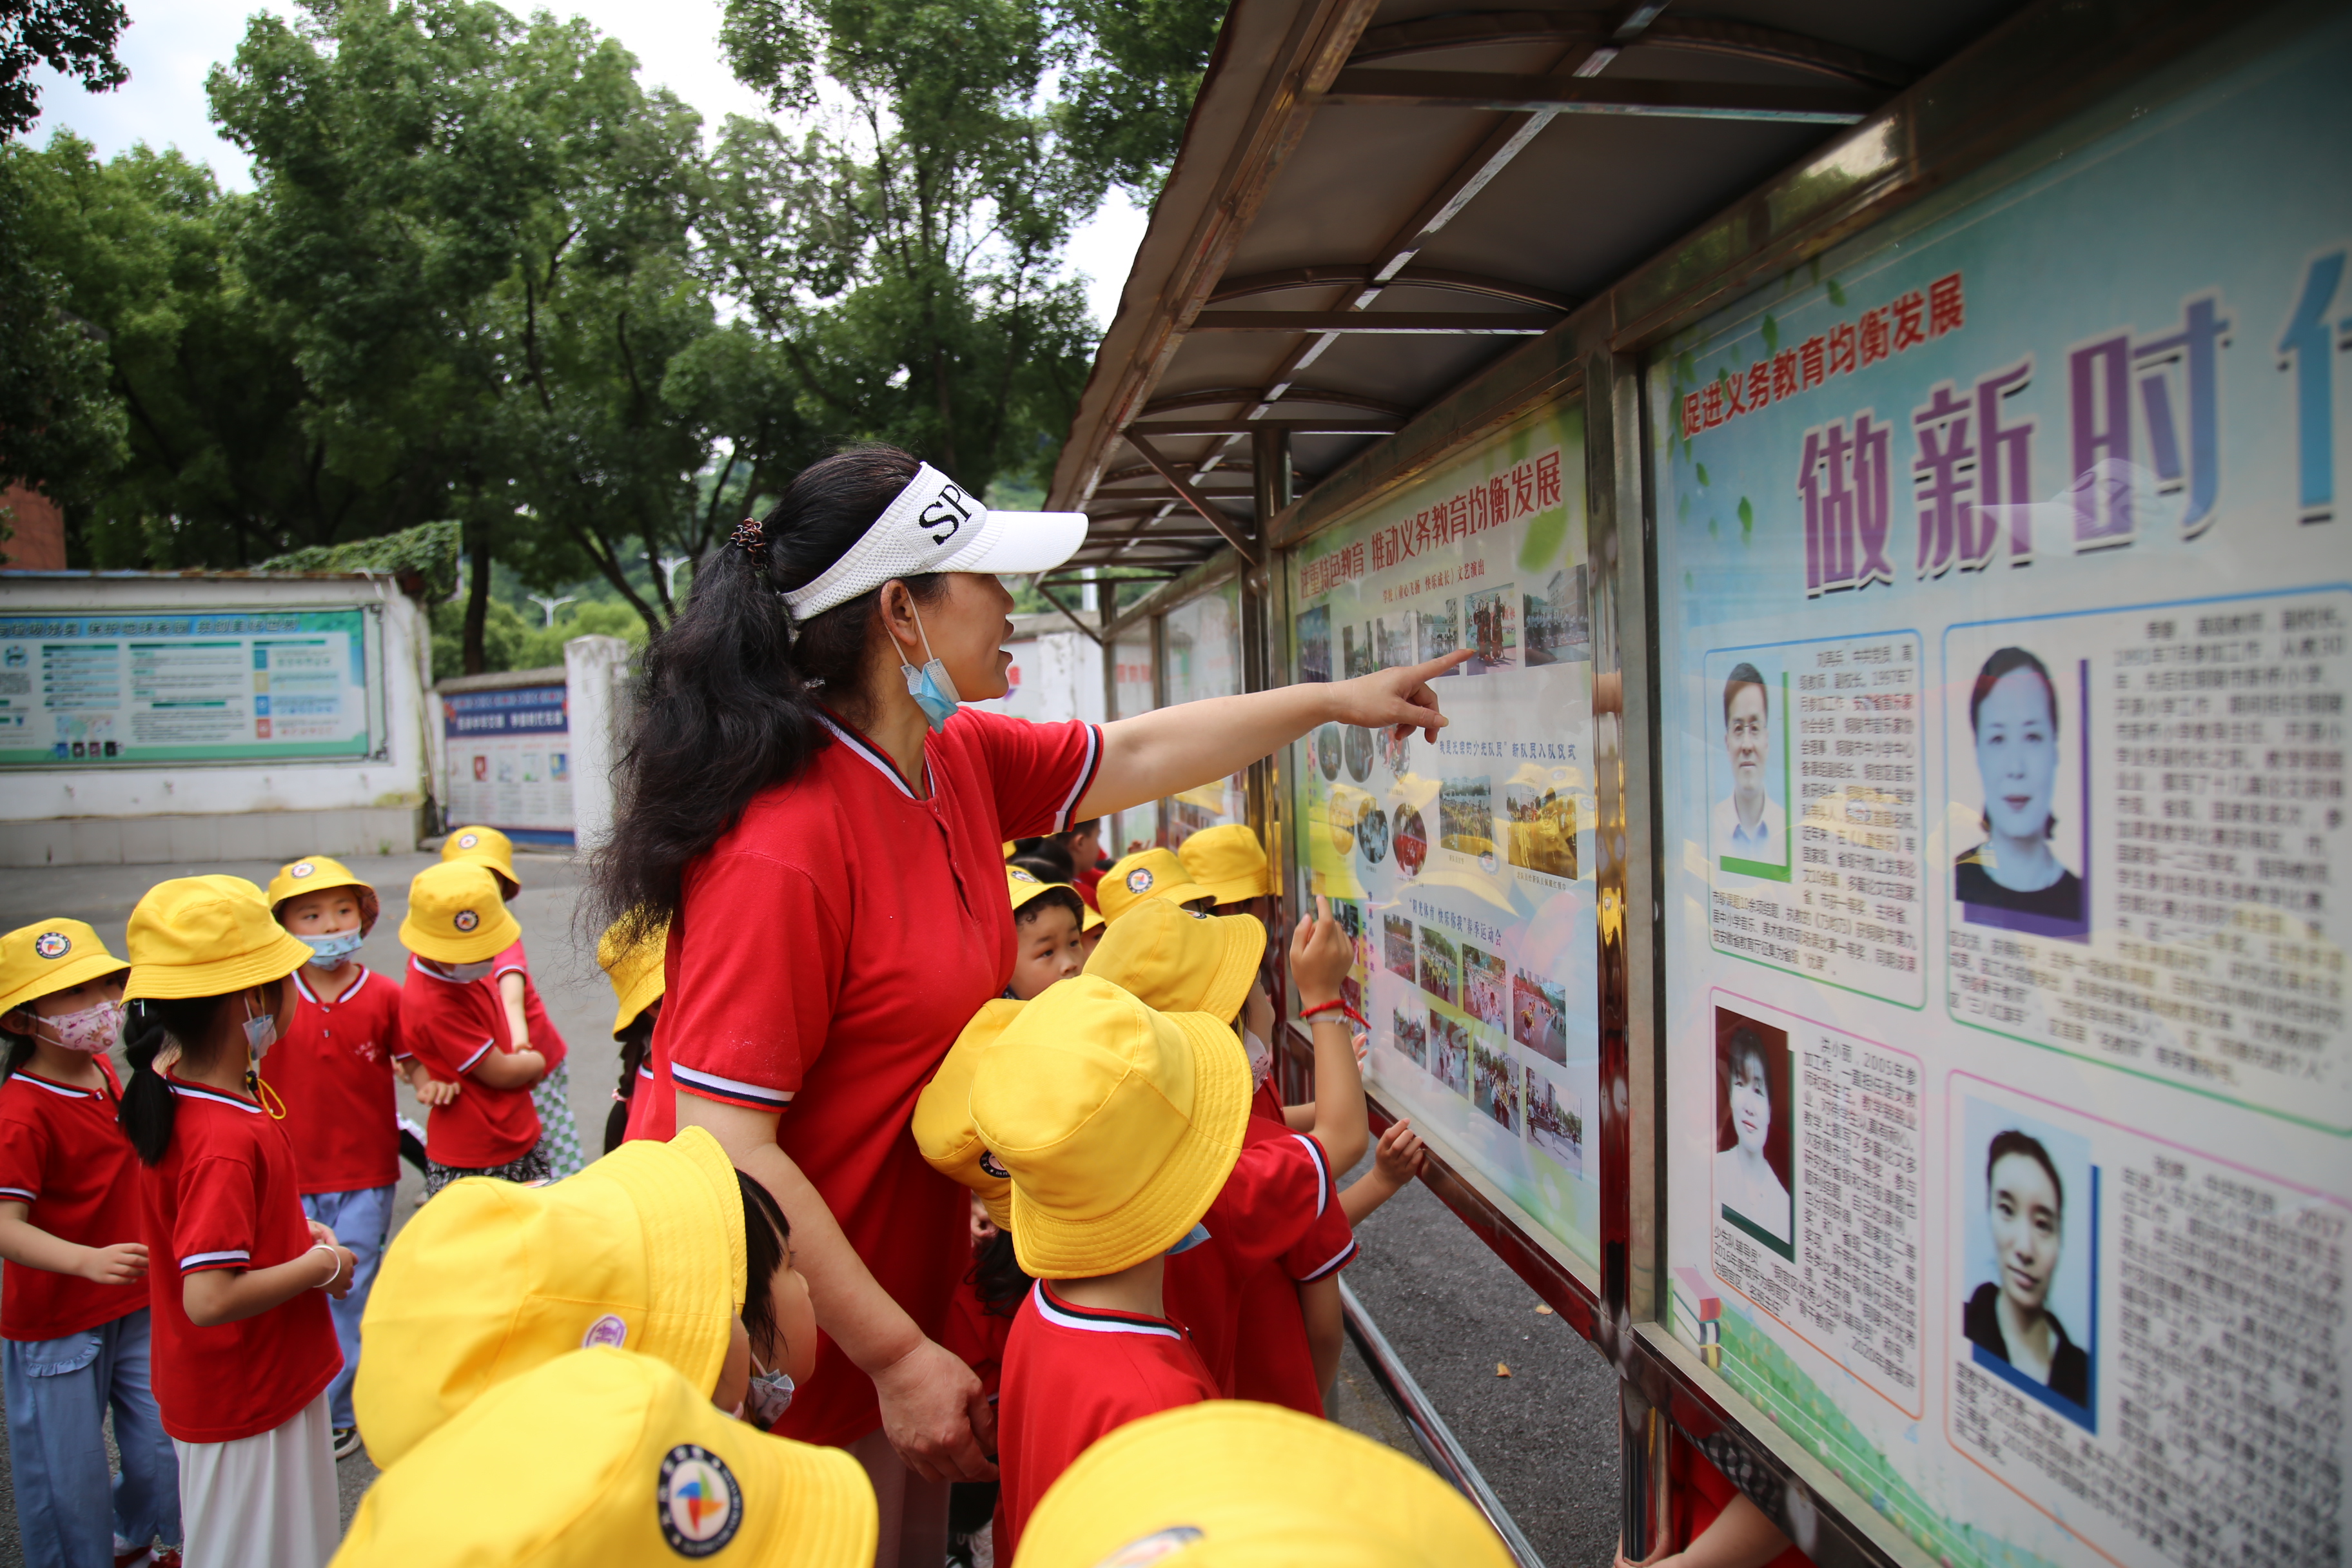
<point x="74" y="37"/>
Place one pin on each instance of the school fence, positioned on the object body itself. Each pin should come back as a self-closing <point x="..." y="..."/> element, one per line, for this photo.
<point x="1866" y="949"/>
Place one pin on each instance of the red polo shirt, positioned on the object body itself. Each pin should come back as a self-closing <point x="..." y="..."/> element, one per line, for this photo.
<point x="543" y="1038"/>
<point x="224" y="1197"/>
<point x="63" y="1155"/>
<point x="1073" y="1375"/>
<point x="1276" y="1213"/>
<point x="450" y="1025"/>
<point x="826" y="952"/>
<point x="333" y="1073"/>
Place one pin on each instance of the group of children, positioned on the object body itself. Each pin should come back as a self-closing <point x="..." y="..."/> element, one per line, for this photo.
<point x="250" y="1159"/>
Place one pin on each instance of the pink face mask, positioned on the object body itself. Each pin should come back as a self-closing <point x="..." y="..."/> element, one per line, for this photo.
<point x="92" y="1031"/>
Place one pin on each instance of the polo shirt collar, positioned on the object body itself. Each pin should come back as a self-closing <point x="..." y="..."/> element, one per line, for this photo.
<point x="1099" y="1319"/>
<point x="69" y="1090"/>
<point x="198" y="1091"/>
<point x="843" y="731"/>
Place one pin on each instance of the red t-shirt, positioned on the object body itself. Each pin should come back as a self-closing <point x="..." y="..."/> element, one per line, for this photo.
<point x="1276" y="1212"/>
<point x="449" y="1026"/>
<point x="543" y="1038"/>
<point x="1701" y="1492"/>
<point x="826" y="952"/>
<point x="977" y="1335"/>
<point x="333" y="1073"/>
<point x="1266" y="1103"/>
<point x="1086" y="880"/>
<point x="224" y="1196"/>
<point x="63" y="1155"/>
<point x="1074" y="1374"/>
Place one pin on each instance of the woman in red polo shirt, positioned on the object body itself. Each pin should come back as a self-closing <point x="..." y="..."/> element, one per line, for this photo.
<point x="822" y="825"/>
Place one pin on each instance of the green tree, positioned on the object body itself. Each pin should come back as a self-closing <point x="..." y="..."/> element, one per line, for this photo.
<point x="1131" y="69"/>
<point x="76" y="37"/>
<point x="60" y="429"/>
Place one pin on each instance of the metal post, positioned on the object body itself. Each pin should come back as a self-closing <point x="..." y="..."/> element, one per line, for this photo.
<point x="1645" y="1523"/>
<point x="1264" y="617"/>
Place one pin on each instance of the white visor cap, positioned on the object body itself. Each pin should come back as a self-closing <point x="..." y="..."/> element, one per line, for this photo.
<point x="935" y="526"/>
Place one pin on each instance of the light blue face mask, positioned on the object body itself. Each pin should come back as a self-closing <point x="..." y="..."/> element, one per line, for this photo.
<point x="932" y="687"/>
<point x="334" y="947"/>
<point x="1192" y="1238"/>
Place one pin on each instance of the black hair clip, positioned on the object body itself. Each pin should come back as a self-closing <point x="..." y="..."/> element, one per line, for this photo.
<point x="751" y="538"/>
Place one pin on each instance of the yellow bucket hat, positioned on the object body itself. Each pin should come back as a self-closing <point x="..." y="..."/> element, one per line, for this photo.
<point x="1227" y="860"/>
<point x="601" y="1459"/>
<point x="1117" y="1124"/>
<point x="484" y="847"/>
<point x="48" y="956"/>
<point x="1245" y="1485"/>
<point x="634" y="968"/>
<point x="943" y="1124"/>
<point x="455" y="916"/>
<point x="317" y="874"/>
<point x="1178" y="961"/>
<point x="206" y="936"/>
<point x="1146" y="874"/>
<point x="644" y="1249"/>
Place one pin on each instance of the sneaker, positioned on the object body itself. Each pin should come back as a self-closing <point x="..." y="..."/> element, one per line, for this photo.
<point x="347" y="1442"/>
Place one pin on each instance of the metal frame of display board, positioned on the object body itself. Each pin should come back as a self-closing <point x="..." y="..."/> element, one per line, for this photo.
<point x="2051" y="62"/>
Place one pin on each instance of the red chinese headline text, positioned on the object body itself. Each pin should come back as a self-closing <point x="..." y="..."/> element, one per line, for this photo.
<point x="1910" y="320"/>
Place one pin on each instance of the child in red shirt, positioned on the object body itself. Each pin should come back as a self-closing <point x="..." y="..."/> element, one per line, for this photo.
<point x="331" y="1076"/>
<point x="244" y="1346"/>
<point x="452" y="1020"/>
<point x="73" y="1302"/>
<point x="1118" y="1126"/>
<point x="528" y="1024"/>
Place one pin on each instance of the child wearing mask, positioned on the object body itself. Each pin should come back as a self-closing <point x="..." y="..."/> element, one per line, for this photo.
<point x="73" y="1299"/>
<point x="332" y="1075"/>
<point x="528" y="1025"/>
<point x="651" y="1249"/>
<point x="452" y="1020"/>
<point x="1118" y="1126"/>
<point x="244" y="1345"/>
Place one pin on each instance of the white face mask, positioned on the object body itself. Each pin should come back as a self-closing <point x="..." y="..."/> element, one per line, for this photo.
<point x="88" y="1032"/>
<point x="260" y="1032"/>
<point x="331" y="948"/>
<point x="1261" y="1057"/>
<point x="466" y="974"/>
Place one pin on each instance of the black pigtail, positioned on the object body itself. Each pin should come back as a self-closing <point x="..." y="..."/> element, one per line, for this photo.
<point x="147" y="1109"/>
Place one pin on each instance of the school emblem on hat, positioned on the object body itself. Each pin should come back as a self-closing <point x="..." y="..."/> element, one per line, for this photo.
<point x="607" y="1331"/>
<point x="1153" y="1547"/>
<point x="300" y="869"/>
<point x="1140" y="880"/>
<point x="698" y="1503"/>
<point x="1018" y="875"/>
<point x="468" y="840"/>
<point x="52" y="944"/>
<point x="994" y="1167"/>
<point x="465" y="920"/>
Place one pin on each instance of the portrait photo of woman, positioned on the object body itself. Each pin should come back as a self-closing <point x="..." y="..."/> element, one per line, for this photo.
<point x="1751" y="1161"/>
<point x="2009" y="1318"/>
<point x="2014" y="878"/>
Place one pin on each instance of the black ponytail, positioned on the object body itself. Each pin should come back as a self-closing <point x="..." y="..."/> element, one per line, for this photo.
<point x="767" y="1239"/>
<point x="151" y="1023"/>
<point x="728" y="703"/>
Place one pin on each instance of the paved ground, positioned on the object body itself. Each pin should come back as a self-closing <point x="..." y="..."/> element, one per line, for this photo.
<point x="1545" y="1438"/>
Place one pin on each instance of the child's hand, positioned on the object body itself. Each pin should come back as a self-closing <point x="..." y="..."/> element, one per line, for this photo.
<point x="118" y="1265"/>
<point x="434" y="1091"/>
<point x="1401" y="1156"/>
<point x="319" y="1233"/>
<point x="1319" y="955"/>
<point x="343" y="1276"/>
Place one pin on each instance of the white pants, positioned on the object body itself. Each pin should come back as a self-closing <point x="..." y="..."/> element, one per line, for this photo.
<point x="268" y="1501"/>
<point x="913" y="1510"/>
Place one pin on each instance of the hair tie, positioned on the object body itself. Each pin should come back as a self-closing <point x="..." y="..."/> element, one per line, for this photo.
<point x="751" y="538"/>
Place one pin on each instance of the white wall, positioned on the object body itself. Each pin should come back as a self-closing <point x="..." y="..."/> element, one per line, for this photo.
<point x="127" y="813"/>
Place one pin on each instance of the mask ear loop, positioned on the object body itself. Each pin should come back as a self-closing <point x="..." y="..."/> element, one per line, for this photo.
<point x="255" y="1084"/>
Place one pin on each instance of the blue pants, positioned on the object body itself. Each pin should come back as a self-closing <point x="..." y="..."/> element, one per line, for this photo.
<point x="58" y="1393"/>
<point x="360" y="1221"/>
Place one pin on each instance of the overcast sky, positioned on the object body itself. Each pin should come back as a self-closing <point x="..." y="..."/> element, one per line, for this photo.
<point x="172" y="45"/>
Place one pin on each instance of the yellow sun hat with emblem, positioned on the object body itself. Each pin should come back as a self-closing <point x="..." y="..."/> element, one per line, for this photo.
<point x="48" y="956"/>
<point x="1228" y="860"/>
<point x="643" y="1249"/>
<point x="602" y="1459"/>
<point x="456" y="915"/>
<point x="1147" y="874"/>
<point x="634" y="968"/>
<point x="484" y="847"/>
<point x="317" y="874"/>
<point x="1241" y="1485"/>
<point x="1117" y="1124"/>
<point x="942" y="1122"/>
<point x="1182" y="960"/>
<point x="206" y="936"/>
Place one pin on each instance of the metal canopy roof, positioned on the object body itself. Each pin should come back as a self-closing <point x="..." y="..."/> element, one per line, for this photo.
<point x="1376" y="199"/>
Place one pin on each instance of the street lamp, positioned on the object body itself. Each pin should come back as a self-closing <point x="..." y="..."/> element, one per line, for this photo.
<point x="551" y="605"/>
